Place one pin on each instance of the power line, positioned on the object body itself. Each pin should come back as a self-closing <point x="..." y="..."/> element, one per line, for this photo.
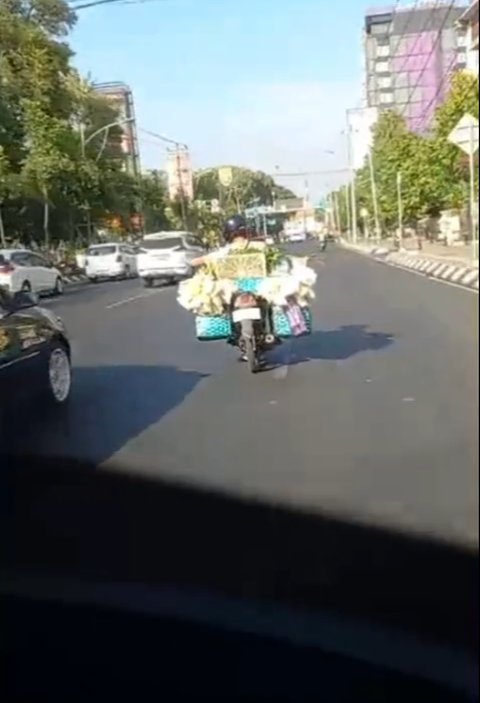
<point x="438" y="39"/>
<point x="175" y="142"/>
<point x="309" y="173"/>
<point x="96" y="3"/>
<point x="448" y="73"/>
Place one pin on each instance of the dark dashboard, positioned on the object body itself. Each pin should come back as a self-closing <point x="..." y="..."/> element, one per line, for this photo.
<point x="115" y="587"/>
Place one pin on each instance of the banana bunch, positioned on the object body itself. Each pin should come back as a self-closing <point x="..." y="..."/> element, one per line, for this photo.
<point x="204" y="295"/>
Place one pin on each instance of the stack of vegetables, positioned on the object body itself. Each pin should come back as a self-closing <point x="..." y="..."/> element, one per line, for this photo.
<point x="288" y="280"/>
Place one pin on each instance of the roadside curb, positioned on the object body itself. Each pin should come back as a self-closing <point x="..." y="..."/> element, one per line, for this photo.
<point x="76" y="280"/>
<point x="459" y="274"/>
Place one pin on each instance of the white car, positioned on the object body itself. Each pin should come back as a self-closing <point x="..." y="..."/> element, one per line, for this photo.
<point x="27" y="271"/>
<point x="167" y="256"/>
<point x="110" y="261"/>
<point x="297" y="237"/>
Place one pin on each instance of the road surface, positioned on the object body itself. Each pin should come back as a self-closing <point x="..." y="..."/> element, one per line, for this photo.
<point x="374" y="417"/>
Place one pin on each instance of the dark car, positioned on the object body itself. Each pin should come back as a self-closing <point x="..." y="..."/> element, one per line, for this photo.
<point x="35" y="358"/>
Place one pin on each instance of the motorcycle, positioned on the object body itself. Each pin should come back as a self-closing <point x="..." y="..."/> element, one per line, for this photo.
<point x="252" y="328"/>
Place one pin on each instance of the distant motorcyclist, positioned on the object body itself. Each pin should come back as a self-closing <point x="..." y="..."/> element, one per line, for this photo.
<point x="322" y="238"/>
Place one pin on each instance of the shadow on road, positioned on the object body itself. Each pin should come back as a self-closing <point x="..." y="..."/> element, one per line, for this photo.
<point x="110" y="405"/>
<point x="115" y="535"/>
<point x="339" y="344"/>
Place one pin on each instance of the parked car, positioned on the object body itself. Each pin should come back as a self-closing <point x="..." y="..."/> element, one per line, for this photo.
<point x="110" y="261"/>
<point x="35" y="355"/>
<point x="28" y="272"/>
<point x="167" y="256"/>
<point x="297" y="237"/>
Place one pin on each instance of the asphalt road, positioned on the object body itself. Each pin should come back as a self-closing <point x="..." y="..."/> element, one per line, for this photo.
<point x="374" y="417"/>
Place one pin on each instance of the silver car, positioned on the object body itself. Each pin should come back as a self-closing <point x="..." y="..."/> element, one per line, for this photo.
<point x="167" y="256"/>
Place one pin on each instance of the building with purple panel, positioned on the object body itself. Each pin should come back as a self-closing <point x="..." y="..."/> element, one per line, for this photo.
<point x="410" y="54"/>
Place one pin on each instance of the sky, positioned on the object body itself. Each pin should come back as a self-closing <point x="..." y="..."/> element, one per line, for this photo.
<point x="263" y="84"/>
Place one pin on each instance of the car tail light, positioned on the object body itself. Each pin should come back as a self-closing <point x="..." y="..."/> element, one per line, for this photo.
<point x="6" y="268"/>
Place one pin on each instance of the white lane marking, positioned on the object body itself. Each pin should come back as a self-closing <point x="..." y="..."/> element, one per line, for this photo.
<point x="130" y="300"/>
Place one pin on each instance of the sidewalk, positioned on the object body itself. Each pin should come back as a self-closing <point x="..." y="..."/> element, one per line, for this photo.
<point x="460" y="269"/>
<point x="461" y="254"/>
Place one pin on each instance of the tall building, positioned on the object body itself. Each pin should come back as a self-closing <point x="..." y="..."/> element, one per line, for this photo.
<point x="410" y="52"/>
<point x="468" y="33"/>
<point x="121" y="98"/>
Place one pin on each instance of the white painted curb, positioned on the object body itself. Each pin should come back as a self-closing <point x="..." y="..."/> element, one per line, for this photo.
<point x="75" y="280"/>
<point x="460" y="274"/>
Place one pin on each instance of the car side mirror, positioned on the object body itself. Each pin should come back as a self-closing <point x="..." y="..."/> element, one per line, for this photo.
<point x="23" y="300"/>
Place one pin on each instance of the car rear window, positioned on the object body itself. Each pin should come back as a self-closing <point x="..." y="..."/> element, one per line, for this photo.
<point x="164" y="243"/>
<point x="102" y="251"/>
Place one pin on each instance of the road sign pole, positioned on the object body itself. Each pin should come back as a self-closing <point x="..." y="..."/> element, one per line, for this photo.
<point x="465" y="136"/>
<point x="472" y="194"/>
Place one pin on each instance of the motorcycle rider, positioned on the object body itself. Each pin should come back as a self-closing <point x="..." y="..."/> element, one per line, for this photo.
<point x="322" y="238"/>
<point x="236" y="236"/>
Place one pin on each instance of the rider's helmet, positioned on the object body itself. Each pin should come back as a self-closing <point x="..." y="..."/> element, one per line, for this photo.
<point x="235" y="226"/>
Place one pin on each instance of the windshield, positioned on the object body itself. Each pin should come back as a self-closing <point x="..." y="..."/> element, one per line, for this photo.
<point x="102" y="251"/>
<point x="335" y="375"/>
<point x="164" y="243"/>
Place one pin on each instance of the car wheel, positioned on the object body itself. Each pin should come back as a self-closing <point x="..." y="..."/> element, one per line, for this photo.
<point x="59" y="287"/>
<point x="148" y="282"/>
<point x="92" y="279"/>
<point x="59" y="375"/>
<point x="26" y="287"/>
<point x="127" y="273"/>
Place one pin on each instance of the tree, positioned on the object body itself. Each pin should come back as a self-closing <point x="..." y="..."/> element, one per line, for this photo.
<point x="462" y="98"/>
<point x="451" y="164"/>
<point x="153" y="200"/>
<point x="394" y="150"/>
<point x="4" y="177"/>
<point x="47" y="161"/>
<point x="54" y="17"/>
<point x="246" y="188"/>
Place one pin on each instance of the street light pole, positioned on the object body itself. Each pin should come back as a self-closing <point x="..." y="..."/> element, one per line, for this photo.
<point x="84" y="142"/>
<point x="400" y="210"/>
<point x="181" y="189"/>
<point x="473" y="202"/>
<point x="374" y="196"/>
<point x="353" y="195"/>
<point x="83" y="146"/>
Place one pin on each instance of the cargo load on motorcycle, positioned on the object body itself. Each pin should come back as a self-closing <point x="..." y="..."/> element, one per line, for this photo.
<point x="250" y="295"/>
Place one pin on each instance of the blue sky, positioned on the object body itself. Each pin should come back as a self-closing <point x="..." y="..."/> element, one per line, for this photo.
<point x="259" y="83"/>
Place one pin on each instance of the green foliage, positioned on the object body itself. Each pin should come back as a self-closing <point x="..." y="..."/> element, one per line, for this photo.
<point x="247" y="188"/>
<point x="61" y="172"/>
<point x="434" y="172"/>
